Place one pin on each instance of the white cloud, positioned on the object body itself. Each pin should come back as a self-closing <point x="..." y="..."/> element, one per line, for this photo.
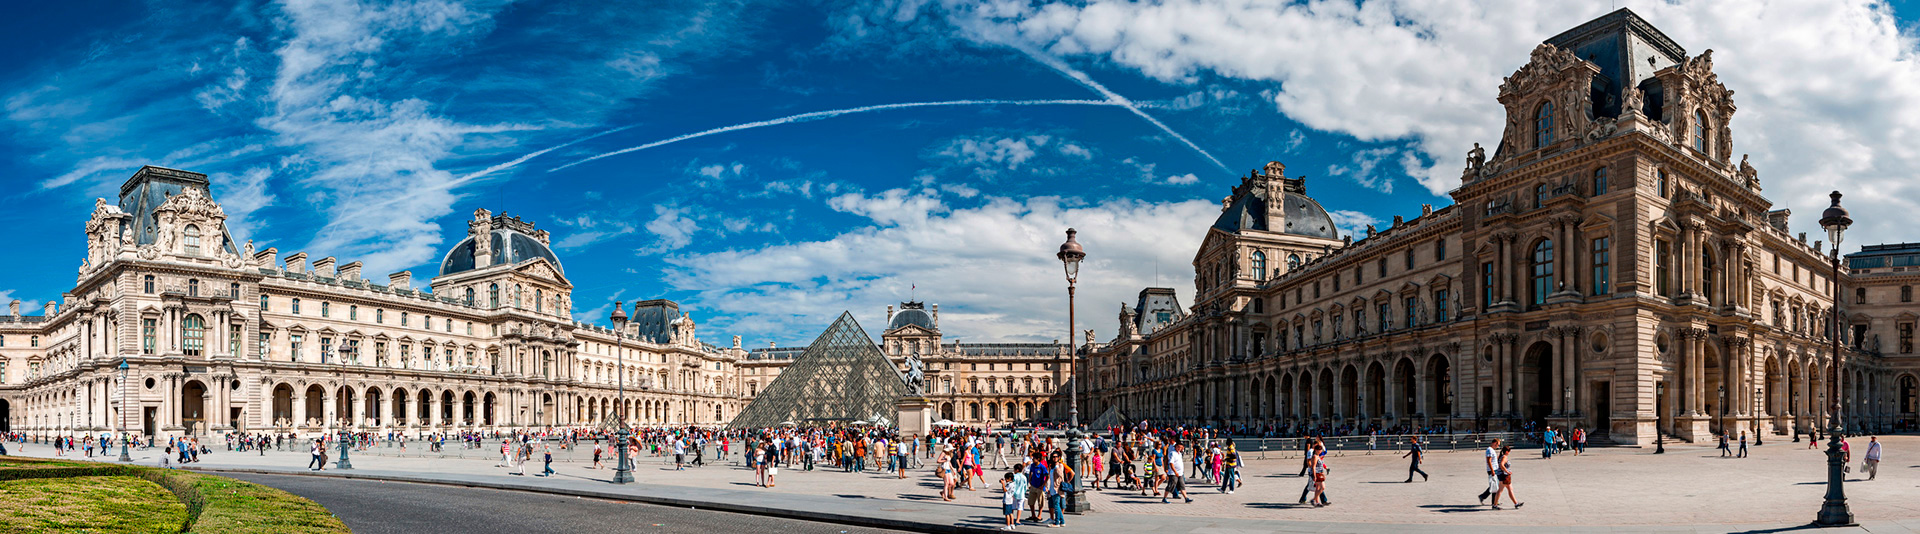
<point x="242" y="195"/>
<point x="893" y="207"/>
<point x="723" y="171"/>
<point x="27" y="307"/>
<point x="672" y="227"/>
<point x="1296" y="139"/>
<point x="1352" y="223"/>
<point x="996" y="152"/>
<point x="991" y="268"/>
<point x="1362" y="170"/>
<point x="1183" y="179"/>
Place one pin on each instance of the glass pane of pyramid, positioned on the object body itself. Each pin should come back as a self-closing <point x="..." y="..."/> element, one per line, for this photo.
<point x="842" y="377"/>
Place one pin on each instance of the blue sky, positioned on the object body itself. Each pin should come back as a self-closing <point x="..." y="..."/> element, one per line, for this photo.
<point x="371" y="130"/>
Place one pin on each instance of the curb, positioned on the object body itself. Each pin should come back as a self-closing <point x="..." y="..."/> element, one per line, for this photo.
<point x="825" y="517"/>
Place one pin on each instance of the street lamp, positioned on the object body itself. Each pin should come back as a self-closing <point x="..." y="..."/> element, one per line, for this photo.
<point x="1659" y="438"/>
<point x="1834" y="512"/>
<point x="121" y="424"/>
<point x="1723" y="409"/>
<point x="1795" y="411"/>
<point x="345" y="434"/>
<point x="621" y="474"/>
<point x="1757" y="392"/>
<point x="1449" y="409"/>
<point x="1511" y="413"/>
<point x="1070" y="256"/>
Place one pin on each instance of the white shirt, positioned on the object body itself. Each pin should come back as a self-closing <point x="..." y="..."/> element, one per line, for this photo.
<point x="1873" y="451"/>
<point x="1175" y="463"/>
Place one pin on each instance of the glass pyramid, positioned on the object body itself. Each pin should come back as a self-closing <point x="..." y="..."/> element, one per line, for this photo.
<point x="841" y="378"/>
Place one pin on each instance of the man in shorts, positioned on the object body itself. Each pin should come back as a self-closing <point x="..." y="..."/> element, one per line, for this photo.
<point x="1492" y="459"/>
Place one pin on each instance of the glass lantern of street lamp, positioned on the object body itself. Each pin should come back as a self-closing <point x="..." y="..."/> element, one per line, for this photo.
<point x="1835" y="220"/>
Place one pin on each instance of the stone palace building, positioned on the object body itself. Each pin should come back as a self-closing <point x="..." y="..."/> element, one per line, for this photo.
<point x="1610" y="266"/>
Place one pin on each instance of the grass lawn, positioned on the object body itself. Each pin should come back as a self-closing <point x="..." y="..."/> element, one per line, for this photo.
<point x="236" y="506"/>
<point x="88" y="504"/>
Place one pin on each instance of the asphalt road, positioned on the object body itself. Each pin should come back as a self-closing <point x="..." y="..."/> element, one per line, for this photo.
<point x="373" y="507"/>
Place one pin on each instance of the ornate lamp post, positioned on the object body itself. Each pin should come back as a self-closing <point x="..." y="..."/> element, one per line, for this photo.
<point x="346" y="433"/>
<point x="621" y="474"/>
<point x="1757" y="392"/>
<point x="120" y="425"/>
<point x="1070" y="256"/>
<point x="1449" y="410"/>
<point x="1511" y="413"/>
<point x="1723" y="409"/>
<point x="1795" y="410"/>
<point x="1834" y="512"/>
<point x="1659" y="438"/>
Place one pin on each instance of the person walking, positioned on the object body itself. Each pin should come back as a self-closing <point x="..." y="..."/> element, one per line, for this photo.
<point x="1176" y="483"/>
<point x="1505" y="474"/>
<point x="1547" y="443"/>
<point x="1493" y="467"/>
<point x="1872" y="464"/>
<point x="1725" y="451"/>
<point x="1415" y="451"/>
<point x="1059" y="483"/>
<point x="546" y="452"/>
<point x="1009" y="500"/>
<point x="317" y="462"/>
<point x="1743" y="445"/>
<point x="1229" y="470"/>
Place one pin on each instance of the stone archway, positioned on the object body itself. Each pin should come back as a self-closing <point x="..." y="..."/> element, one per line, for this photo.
<point x="282" y="405"/>
<point x="193" y="407"/>
<point x="316" y="402"/>
<point x="1536" y="373"/>
<point x="6" y="416"/>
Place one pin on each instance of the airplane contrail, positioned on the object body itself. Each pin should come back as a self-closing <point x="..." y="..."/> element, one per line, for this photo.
<point x="828" y="114"/>
<point x="483" y="173"/>
<point x="1087" y="81"/>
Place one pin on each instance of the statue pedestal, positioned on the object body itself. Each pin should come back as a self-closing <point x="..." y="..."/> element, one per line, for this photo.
<point x="915" y="416"/>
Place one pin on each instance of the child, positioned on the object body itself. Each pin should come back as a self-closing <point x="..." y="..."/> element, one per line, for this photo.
<point x="1009" y="501"/>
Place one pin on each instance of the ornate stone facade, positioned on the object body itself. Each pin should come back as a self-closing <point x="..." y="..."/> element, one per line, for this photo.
<point x="1608" y="267"/>
<point x="219" y="337"/>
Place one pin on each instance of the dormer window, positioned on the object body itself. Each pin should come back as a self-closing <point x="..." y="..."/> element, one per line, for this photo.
<point x="193" y="240"/>
<point x="1543" y="126"/>
<point x="1700" y="131"/>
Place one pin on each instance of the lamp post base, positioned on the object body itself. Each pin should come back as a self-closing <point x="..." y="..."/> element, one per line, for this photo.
<point x="1076" y="500"/>
<point x="621" y="474"/>
<point x="1833" y="510"/>
<point x="124" y="457"/>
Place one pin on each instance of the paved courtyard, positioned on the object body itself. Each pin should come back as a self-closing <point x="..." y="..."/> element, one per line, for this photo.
<point x="1690" y="488"/>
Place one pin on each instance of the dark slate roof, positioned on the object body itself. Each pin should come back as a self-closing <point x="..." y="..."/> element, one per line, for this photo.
<point x="912" y="316"/>
<point x="150" y="187"/>
<point x="1304" y="217"/>
<point x="652" y="320"/>
<point x="1620" y="43"/>
<point x="509" y="247"/>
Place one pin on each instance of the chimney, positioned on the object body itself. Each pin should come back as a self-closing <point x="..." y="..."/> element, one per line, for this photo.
<point x="269" y="257"/>
<point x="936" y="316"/>
<point x="400" y="280"/>
<point x="350" y="272"/>
<point x="53" y="308"/>
<point x="323" y="267"/>
<point x="297" y="263"/>
<point x="889" y="314"/>
<point x="13" y="308"/>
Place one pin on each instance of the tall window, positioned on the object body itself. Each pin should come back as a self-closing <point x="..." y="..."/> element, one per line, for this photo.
<point x="1540" y="196"/>
<point x="1440" y="249"/>
<point x="1409" y="260"/>
<point x="1660" y="183"/>
<point x="1706" y="277"/>
<point x="493" y="296"/>
<point x="1259" y="265"/>
<point x="147" y="327"/>
<point x="1602" y="267"/>
<point x="1440" y="305"/>
<point x="469" y="296"/>
<point x="1386" y="317"/>
<point x="1413" y="311"/>
<point x="233" y="339"/>
<point x="193" y="335"/>
<point x="296" y="306"/>
<point x="147" y="283"/>
<point x="233" y="290"/>
<point x="1542" y="271"/>
<point x="379" y="316"/>
<point x="1293" y="262"/>
<point x="1700" y="131"/>
<point x="265" y="342"/>
<point x="1486" y="284"/>
<point x="293" y="347"/>
<point x="1662" y="269"/>
<point x="353" y="312"/>
<point x="1383" y="267"/>
<point x="1906" y="293"/>
<point x="1600" y="181"/>
<point x="193" y="240"/>
<point x="403" y="318"/>
<point x="1543" y="126"/>
<point x="326" y="309"/>
<point x="539" y="300"/>
<point x="326" y="349"/>
<point x="1906" y="338"/>
<point x="193" y="287"/>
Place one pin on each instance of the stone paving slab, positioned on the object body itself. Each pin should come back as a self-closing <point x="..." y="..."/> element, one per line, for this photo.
<point x="1689" y="489"/>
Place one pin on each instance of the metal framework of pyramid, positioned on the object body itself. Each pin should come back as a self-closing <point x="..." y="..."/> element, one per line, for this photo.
<point x="842" y="377"/>
<point x="1109" y="419"/>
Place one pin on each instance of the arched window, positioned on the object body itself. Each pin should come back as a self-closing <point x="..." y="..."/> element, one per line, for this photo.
<point x="147" y="282"/>
<point x="1600" y="181"/>
<point x="1293" y="262"/>
<point x="193" y="334"/>
<point x="516" y="296"/>
<point x="538" y="298"/>
<point x="493" y="296"/>
<point x="193" y="287"/>
<point x="1543" y="126"/>
<point x="469" y="296"/>
<point x="1259" y="265"/>
<point x="1700" y="131"/>
<point x="193" y="240"/>
<point x="1542" y="271"/>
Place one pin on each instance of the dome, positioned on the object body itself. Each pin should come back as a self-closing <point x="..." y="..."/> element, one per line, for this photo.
<point x="1304" y="216"/>
<point x="509" y="248"/>
<point x="911" y="316"/>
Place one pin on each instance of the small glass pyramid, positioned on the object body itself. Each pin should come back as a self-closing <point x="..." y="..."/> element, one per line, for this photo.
<point x="841" y="378"/>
